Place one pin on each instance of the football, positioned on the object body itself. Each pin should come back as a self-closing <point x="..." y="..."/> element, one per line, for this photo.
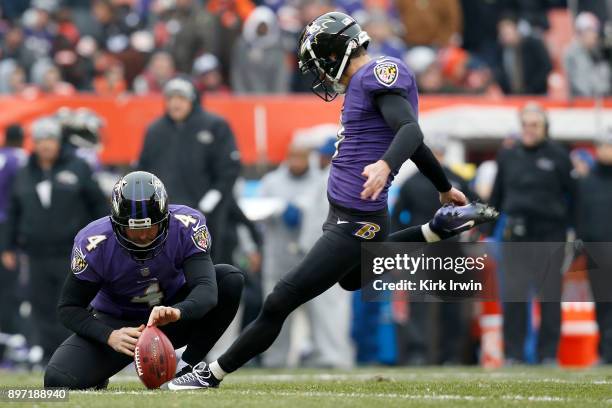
<point x="154" y="358"/>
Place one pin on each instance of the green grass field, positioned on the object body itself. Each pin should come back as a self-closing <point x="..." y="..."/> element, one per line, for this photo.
<point x="370" y="387"/>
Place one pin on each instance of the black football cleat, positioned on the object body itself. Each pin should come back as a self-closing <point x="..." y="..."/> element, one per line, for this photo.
<point x="199" y="377"/>
<point x="451" y="220"/>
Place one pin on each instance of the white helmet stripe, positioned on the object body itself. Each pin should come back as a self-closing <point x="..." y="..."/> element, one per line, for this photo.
<point x="352" y="45"/>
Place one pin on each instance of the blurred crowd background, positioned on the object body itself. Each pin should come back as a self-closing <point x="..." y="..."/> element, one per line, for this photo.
<point x="243" y="46"/>
<point x="264" y="221"/>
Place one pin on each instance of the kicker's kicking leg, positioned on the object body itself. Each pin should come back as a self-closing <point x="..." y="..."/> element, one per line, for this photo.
<point x="447" y="222"/>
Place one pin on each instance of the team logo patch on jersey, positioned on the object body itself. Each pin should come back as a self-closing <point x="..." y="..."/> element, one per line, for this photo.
<point x="386" y="73"/>
<point x="78" y="263"/>
<point x="201" y="238"/>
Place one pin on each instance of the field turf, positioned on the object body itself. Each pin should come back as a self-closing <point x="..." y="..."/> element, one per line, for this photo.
<point x="366" y="387"/>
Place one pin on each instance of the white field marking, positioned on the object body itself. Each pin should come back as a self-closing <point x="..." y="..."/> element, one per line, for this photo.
<point x="395" y="376"/>
<point x="355" y="395"/>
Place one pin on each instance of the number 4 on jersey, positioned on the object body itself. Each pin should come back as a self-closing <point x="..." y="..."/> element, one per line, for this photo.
<point x="152" y="296"/>
<point x="186" y="220"/>
<point x="94" y="241"/>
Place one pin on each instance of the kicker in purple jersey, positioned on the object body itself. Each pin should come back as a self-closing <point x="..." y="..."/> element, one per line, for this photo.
<point x="364" y="136"/>
<point x="131" y="288"/>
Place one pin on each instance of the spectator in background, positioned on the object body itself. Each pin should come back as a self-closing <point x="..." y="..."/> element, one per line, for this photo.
<point x="452" y="70"/>
<point x="292" y="186"/>
<point x="533" y="13"/>
<point x="111" y="81"/>
<point x="194" y="154"/>
<point x="13" y="47"/>
<point x="287" y="184"/>
<point x="17" y="82"/>
<point x="66" y="28"/>
<point x="87" y="51"/>
<point x="134" y="59"/>
<point x="329" y="315"/>
<point x="429" y="22"/>
<point x="12" y="157"/>
<point x="159" y="70"/>
<point x="259" y="59"/>
<point x="12" y="77"/>
<point x="594" y="220"/>
<point x="588" y="71"/>
<point x="193" y="31"/>
<point x="53" y="197"/>
<point x="536" y="191"/>
<point x="40" y="30"/>
<point x="51" y="83"/>
<point x="13" y="80"/>
<point x="383" y="41"/>
<point x="480" y="28"/>
<point x="74" y="68"/>
<point x="523" y="62"/>
<point x="600" y="8"/>
<point x="230" y="16"/>
<point x="207" y="75"/>
<point x="423" y="61"/>
<point x="463" y="73"/>
<point x="109" y="28"/>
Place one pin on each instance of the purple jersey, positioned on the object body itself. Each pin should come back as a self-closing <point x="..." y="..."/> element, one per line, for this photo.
<point x="131" y="288"/>
<point x="11" y="159"/>
<point x="364" y="136"/>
